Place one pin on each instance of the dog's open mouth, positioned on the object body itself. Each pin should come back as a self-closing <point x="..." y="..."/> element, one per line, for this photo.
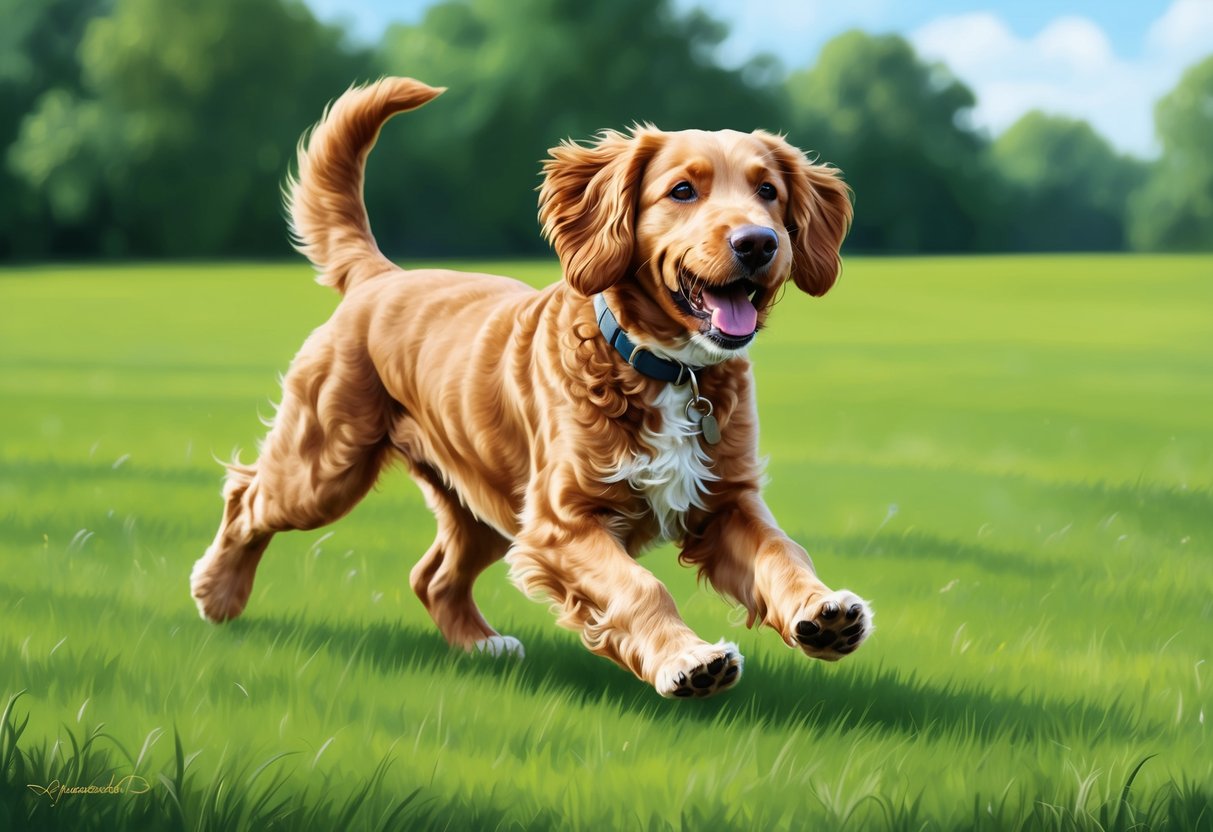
<point x="730" y="310"/>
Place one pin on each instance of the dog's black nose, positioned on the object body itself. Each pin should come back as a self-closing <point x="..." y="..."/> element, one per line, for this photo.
<point x="754" y="245"/>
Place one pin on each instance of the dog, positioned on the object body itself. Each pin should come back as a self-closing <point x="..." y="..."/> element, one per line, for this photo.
<point x="564" y="429"/>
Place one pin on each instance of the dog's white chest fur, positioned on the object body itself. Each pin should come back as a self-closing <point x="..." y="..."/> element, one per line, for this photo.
<point x="673" y="473"/>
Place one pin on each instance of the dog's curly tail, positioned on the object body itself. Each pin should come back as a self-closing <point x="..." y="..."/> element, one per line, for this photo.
<point x="324" y="203"/>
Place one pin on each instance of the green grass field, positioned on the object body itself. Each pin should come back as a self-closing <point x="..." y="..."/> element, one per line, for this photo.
<point x="1011" y="457"/>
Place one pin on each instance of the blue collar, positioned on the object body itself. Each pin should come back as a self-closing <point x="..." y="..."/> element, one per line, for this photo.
<point x="640" y="357"/>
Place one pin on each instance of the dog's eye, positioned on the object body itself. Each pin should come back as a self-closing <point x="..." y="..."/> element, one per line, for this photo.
<point x="767" y="191"/>
<point x="683" y="192"/>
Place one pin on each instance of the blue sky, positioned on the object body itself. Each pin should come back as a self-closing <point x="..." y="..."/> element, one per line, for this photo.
<point x="1103" y="60"/>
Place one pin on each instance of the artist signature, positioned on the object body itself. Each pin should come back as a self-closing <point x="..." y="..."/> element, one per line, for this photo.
<point x="131" y="784"/>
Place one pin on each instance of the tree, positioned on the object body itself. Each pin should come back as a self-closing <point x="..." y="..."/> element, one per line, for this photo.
<point x="38" y="52"/>
<point x="898" y="129"/>
<point x="180" y="139"/>
<point x="1174" y="210"/>
<point x="1067" y="187"/>
<point x="523" y="76"/>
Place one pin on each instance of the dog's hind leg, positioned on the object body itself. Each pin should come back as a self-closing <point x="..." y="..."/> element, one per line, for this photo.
<point x="321" y="456"/>
<point x="463" y="548"/>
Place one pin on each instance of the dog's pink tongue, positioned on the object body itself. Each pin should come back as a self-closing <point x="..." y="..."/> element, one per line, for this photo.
<point x="732" y="312"/>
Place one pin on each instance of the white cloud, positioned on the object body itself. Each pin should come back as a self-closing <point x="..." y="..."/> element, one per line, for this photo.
<point x="967" y="43"/>
<point x="1184" y="32"/>
<point x="1070" y="68"/>
<point x="1076" y="44"/>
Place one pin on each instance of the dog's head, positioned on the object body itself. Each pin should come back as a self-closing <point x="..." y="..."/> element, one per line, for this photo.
<point x="696" y="231"/>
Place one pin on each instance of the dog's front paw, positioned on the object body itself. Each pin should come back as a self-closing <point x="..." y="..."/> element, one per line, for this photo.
<point x="699" y="673"/>
<point x="833" y="626"/>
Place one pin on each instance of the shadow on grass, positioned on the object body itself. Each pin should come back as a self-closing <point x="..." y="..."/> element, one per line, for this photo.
<point x="916" y="545"/>
<point x="778" y="693"/>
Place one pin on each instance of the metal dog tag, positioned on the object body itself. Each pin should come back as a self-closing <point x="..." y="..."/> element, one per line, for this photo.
<point x="709" y="428"/>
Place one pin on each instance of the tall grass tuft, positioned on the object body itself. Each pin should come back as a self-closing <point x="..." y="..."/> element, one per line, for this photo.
<point x="233" y="798"/>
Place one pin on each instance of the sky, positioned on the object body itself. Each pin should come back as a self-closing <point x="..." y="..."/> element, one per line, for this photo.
<point x="1106" y="61"/>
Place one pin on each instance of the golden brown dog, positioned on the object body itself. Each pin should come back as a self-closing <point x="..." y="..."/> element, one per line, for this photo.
<point x="530" y="434"/>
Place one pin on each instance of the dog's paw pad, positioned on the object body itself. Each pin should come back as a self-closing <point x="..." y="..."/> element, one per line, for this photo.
<point x="496" y="646"/>
<point x="834" y="626"/>
<point x="703" y="672"/>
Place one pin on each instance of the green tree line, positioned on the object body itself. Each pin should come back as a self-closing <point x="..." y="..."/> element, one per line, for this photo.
<point x="158" y="128"/>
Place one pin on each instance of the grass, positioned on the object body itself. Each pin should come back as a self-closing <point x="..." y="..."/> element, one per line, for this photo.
<point x="1012" y="457"/>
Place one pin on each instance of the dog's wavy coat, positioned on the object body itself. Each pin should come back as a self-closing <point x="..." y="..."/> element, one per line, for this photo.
<point x="532" y="438"/>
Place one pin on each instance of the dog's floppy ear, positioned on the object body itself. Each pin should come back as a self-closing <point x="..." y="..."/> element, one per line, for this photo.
<point x="818" y="215"/>
<point x="588" y="204"/>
